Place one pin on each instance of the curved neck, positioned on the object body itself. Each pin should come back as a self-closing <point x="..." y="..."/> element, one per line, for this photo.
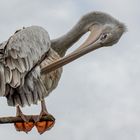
<point x="63" y="43"/>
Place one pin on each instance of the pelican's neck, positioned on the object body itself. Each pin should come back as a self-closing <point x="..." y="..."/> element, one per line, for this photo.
<point x="63" y="43"/>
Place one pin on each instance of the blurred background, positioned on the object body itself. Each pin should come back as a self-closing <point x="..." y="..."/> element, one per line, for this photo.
<point x="98" y="97"/>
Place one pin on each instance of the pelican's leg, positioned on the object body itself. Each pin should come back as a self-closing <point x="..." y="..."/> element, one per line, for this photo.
<point x="43" y="126"/>
<point x="24" y="126"/>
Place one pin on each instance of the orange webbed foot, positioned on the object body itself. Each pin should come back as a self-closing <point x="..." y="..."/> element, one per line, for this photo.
<point x="24" y="126"/>
<point x="44" y="126"/>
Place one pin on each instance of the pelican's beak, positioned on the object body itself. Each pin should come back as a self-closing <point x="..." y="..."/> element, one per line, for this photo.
<point x="89" y="45"/>
<point x="95" y="32"/>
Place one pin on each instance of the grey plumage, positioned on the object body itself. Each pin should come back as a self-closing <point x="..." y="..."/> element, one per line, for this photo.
<point x="22" y="51"/>
<point x="22" y="83"/>
<point x="2" y="80"/>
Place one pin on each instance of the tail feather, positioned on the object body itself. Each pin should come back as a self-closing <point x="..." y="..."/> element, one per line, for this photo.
<point x="18" y="100"/>
<point x="10" y="99"/>
<point x="24" y="99"/>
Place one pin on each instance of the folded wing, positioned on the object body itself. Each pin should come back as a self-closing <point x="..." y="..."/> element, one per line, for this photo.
<point x="17" y="57"/>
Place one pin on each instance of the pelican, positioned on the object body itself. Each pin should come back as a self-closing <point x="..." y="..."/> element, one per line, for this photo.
<point x="31" y="63"/>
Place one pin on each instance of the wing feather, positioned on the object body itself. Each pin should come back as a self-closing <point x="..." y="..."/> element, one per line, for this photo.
<point x="2" y="81"/>
<point x="15" y="78"/>
<point x="13" y="53"/>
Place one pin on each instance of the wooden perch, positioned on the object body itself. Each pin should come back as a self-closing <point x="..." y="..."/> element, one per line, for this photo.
<point x="5" y="120"/>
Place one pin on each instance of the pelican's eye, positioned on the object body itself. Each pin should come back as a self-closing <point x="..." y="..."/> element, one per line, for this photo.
<point x="104" y="36"/>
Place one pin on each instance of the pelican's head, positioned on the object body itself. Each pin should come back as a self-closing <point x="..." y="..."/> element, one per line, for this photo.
<point x="104" y="29"/>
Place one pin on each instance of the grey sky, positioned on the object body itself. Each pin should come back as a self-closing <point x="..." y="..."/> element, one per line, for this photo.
<point x="98" y="95"/>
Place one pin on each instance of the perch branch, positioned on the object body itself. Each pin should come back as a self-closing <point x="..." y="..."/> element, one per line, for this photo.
<point x="5" y="120"/>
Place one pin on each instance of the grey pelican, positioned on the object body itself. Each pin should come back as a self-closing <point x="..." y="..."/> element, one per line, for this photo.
<point x="31" y="63"/>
